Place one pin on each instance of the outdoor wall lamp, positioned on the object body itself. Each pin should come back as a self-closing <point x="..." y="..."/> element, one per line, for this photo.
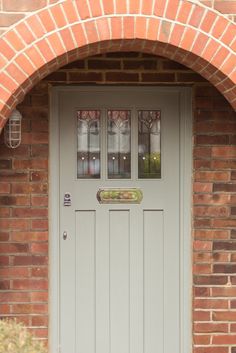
<point x="12" y="130"/>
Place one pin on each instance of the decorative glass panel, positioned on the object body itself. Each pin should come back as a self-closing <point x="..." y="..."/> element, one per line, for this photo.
<point x="88" y="151"/>
<point x="118" y="142"/>
<point x="149" y="144"/>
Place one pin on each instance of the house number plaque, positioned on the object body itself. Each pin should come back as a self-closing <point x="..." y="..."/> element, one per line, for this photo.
<point x="119" y="196"/>
<point x="67" y="199"/>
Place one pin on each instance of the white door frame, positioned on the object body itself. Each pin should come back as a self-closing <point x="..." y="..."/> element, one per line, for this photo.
<point x="185" y="211"/>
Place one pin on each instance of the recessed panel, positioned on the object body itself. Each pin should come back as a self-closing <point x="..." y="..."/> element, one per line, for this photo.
<point x="153" y="281"/>
<point x="85" y="278"/>
<point x="119" y="280"/>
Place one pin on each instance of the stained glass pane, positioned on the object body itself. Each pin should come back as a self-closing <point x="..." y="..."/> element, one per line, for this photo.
<point x="88" y="145"/>
<point x="118" y="144"/>
<point x="149" y="144"/>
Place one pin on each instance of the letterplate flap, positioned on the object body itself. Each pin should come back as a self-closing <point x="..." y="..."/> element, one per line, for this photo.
<point x="119" y="195"/>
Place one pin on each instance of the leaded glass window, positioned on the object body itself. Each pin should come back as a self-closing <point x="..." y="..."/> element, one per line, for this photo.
<point x="119" y="144"/>
<point x="149" y="144"/>
<point x="88" y="144"/>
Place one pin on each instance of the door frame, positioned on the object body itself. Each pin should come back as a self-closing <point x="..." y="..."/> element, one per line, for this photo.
<point x="185" y="104"/>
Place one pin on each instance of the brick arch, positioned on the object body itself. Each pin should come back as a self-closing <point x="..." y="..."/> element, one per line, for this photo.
<point x="186" y="32"/>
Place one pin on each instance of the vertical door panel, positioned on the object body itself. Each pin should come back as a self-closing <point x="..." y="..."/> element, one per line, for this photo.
<point x="153" y="281"/>
<point x="85" y="281"/>
<point x="102" y="282"/>
<point x="136" y="281"/>
<point x="119" y="281"/>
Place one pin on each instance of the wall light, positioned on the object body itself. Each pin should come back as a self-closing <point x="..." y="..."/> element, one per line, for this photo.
<point x="12" y="130"/>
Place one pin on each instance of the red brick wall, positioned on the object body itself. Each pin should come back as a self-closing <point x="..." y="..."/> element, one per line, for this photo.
<point x="227" y="7"/>
<point x="12" y="11"/>
<point x="214" y="187"/>
<point x="24" y="218"/>
<point x="24" y="191"/>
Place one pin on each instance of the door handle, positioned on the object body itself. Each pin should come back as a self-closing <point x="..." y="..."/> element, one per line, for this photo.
<point x="65" y="235"/>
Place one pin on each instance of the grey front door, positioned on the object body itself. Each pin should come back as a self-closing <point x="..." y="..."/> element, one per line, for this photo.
<point x="119" y="258"/>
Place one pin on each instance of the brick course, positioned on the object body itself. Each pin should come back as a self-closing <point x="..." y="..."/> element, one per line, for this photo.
<point x="11" y="11"/>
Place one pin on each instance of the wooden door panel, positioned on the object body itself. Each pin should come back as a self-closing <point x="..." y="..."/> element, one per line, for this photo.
<point x="117" y="279"/>
<point x="153" y="280"/>
<point x="85" y="281"/>
<point x="119" y="221"/>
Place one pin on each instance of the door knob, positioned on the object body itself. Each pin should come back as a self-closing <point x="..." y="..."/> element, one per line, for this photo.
<point x="64" y="235"/>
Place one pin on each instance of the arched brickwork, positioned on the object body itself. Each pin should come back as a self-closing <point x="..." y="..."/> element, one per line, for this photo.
<point x="186" y="32"/>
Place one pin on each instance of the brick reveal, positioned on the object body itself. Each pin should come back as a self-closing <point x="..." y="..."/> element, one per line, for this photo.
<point x="213" y="204"/>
